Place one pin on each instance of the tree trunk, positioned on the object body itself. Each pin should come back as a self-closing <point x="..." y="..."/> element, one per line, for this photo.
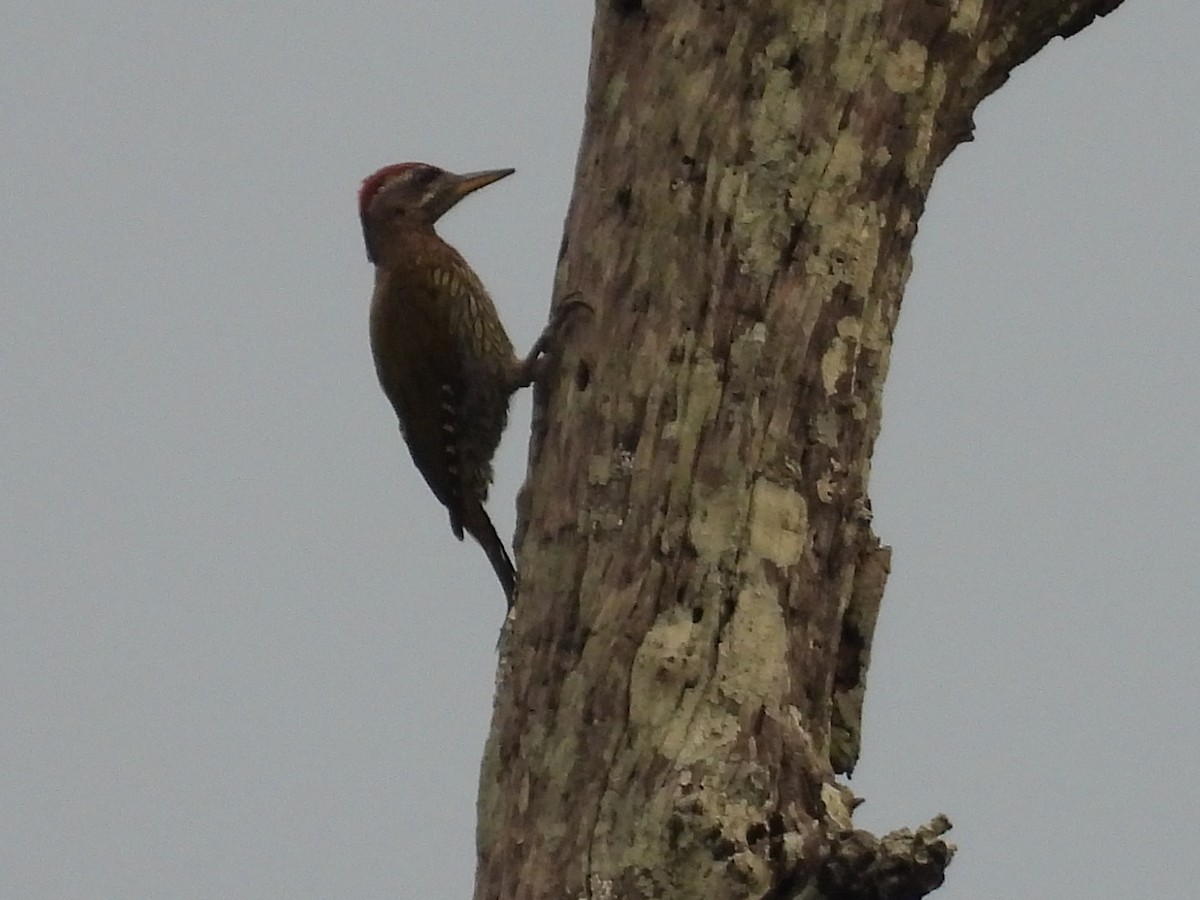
<point x="682" y="678"/>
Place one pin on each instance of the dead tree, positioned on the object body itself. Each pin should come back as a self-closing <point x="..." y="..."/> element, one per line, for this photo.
<point x="682" y="680"/>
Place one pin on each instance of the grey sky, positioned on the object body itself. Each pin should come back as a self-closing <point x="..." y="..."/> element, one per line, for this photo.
<point x="241" y="654"/>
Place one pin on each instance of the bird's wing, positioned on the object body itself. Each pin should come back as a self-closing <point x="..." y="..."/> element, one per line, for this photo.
<point x="420" y="371"/>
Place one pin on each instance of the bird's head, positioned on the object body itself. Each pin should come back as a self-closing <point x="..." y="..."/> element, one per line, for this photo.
<point x="413" y="195"/>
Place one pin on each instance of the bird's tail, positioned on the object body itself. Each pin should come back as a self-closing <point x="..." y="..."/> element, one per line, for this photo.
<point x="479" y="525"/>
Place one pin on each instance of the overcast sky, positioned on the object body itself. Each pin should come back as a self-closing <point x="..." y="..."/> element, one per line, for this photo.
<point x="241" y="655"/>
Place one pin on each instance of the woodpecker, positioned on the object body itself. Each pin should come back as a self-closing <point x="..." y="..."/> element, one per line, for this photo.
<point x="441" y="353"/>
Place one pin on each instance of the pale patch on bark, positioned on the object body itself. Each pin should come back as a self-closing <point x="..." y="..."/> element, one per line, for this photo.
<point x="778" y="524"/>
<point x="835" y="362"/>
<point x="708" y="736"/>
<point x="966" y="16"/>
<point x="846" y="163"/>
<point x="824" y="428"/>
<point x="752" y="657"/>
<point x="834" y="798"/>
<point x="904" y="69"/>
<point x="614" y="90"/>
<point x="661" y="667"/>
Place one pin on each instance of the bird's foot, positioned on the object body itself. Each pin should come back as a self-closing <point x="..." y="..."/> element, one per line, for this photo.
<point x="549" y="344"/>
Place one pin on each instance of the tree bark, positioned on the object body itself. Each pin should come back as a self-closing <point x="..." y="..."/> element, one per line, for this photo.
<point x="682" y="678"/>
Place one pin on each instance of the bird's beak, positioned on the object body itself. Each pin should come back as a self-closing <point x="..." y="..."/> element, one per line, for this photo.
<point x="473" y="181"/>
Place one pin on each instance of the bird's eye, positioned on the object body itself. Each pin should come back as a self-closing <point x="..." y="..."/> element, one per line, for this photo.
<point x="424" y="175"/>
